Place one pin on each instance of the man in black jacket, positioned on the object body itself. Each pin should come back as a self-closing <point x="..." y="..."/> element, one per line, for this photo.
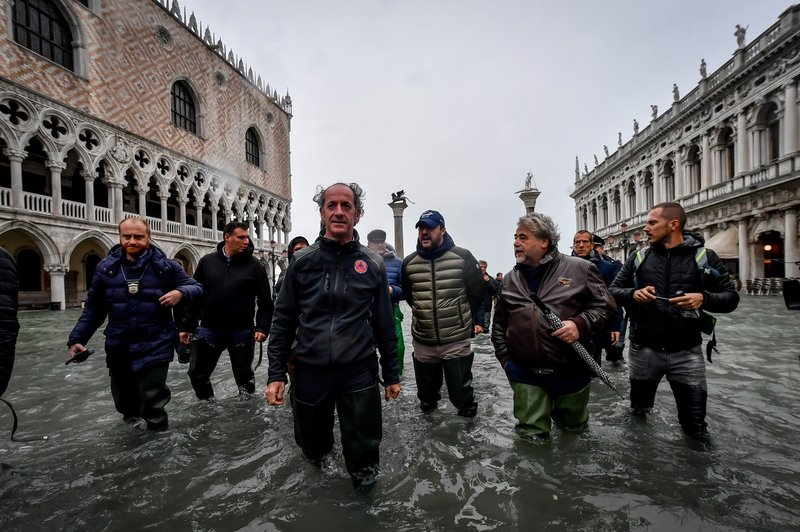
<point x="233" y="281"/>
<point x="9" y="325"/>
<point x="332" y="311"/>
<point x="666" y="288"/>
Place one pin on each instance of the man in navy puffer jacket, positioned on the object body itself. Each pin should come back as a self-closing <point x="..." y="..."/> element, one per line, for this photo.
<point x="135" y="286"/>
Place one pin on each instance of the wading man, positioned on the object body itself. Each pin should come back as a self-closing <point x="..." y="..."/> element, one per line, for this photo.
<point x="666" y="289"/>
<point x="233" y="281"/>
<point x="549" y="380"/>
<point x="135" y="286"/>
<point x="376" y="241"/>
<point x="444" y="286"/>
<point x="335" y="304"/>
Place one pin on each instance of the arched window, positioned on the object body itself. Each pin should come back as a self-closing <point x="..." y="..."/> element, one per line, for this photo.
<point x="184" y="114"/>
<point x="252" y="148"/>
<point x="41" y="27"/>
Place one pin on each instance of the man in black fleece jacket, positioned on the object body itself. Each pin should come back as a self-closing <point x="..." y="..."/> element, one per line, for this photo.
<point x="233" y="280"/>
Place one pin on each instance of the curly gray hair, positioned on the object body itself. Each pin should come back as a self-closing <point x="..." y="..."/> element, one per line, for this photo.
<point x="358" y="195"/>
<point x="542" y="226"/>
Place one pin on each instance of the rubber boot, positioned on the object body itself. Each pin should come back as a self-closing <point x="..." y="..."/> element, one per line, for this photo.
<point x="429" y="383"/>
<point x="614" y="354"/>
<point x="361" y="422"/>
<point x="571" y="412"/>
<point x="532" y="407"/>
<point x="643" y="395"/>
<point x="691" y="403"/>
<point x="313" y="428"/>
<point x="458" y="375"/>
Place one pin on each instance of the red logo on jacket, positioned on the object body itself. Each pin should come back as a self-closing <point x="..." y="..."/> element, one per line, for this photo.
<point x="360" y="266"/>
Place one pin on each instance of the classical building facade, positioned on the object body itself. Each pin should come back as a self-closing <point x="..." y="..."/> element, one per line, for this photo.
<point x="111" y="109"/>
<point x="728" y="151"/>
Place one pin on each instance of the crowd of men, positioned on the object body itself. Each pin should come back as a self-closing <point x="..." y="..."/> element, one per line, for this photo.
<point x="334" y="325"/>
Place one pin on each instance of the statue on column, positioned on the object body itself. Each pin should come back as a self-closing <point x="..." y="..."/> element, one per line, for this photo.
<point x="398" y="196"/>
<point x="703" y="72"/>
<point x="740" y="33"/>
<point x="529" y="181"/>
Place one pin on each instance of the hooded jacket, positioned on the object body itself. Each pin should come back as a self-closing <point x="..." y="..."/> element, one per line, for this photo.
<point x="573" y="289"/>
<point x="231" y="291"/>
<point x="394" y="268"/>
<point x="140" y="330"/>
<point x="335" y="303"/>
<point x="445" y="290"/>
<point x="660" y="325"/>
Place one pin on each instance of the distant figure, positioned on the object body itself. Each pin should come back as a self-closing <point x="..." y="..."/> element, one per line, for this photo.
<point x="619" y="138"/>
<point x="605" y="149"/>
<point x="492" y="289"/>
<point x="134" y="287"/>
<point x="635" y="127"/>
<point x="596" y="162"/>
<point x="703" y="73"/>
<point x="740" y="33"/>
<point x="9" y="325"/>
<point x="296" y="244"/>
<point x="376" y="241"/>
<point x="585" y="169"/>
<point x="654" y="111"/>
<point x="676" y="95"/>
<point x="528" y="181"/>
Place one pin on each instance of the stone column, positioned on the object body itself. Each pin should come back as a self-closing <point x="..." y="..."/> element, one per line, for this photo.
<point x="182" y="208"/>
<point x="57" y="291"/>
<point x="708" y="176"/>
<point x="658" y="182"/>
<point x="742" y="150"/>
<point x="163" y="198"/>
<point x="398" y="207"/>
<point x="214" y="211"/>
<point x="88" y="179"/>
<point x="56" y="168"/>
<point x="680" y="185"/>
<point x="745" y="272"/>
<point x="790" y="243"/>
<point x="116" y="200"/>
<point x="15" y="158"/>
<point x="790" y="119"/>
<point x="199" y="219"/>
<point x="142" y="201"/>
<point x="623" y="203"/>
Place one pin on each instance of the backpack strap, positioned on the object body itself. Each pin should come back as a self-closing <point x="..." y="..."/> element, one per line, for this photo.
<point x="638" y="259"/>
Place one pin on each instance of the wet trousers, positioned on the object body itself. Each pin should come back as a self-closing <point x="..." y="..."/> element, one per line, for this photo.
<point x="142" y="394"/>
<point x="686" y="373"/>
<point x="352" y="392"/>
<point x="535" y="407"/>
<point x="457" y="372"/>
<point x="209" y="347"/>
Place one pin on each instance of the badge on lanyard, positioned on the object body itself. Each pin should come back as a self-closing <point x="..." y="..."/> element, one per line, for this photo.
<point x="133" y="287"/>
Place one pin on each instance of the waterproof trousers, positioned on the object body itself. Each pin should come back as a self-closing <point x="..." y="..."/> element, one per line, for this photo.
<point x="535" y="407"/>
<point x="142" y="394"/>
<point x="457" y="372"/>
<point x="401" y="344"/>
<point x="352" y="392"/>
<point x="686" y="373"/>
<point x="207" y="349"/>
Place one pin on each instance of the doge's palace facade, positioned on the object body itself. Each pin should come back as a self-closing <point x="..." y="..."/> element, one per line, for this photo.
<point x="728" y="151"/>
<point x="110" y="109"/>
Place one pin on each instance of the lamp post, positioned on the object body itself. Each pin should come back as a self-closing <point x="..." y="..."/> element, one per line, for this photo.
<point x="626" y="242"/>
<point x="273" y="258"/>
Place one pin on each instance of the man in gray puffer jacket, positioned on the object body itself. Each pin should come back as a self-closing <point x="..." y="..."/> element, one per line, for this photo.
<point x="444" y="286"/>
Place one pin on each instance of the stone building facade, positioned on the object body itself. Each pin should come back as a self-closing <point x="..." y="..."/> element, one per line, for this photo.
<point x="728" y="151"/>
<point x="111" y="109"/>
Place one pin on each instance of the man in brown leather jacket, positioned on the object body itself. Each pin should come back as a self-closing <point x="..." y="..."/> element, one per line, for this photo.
<point x="548" y="378"/>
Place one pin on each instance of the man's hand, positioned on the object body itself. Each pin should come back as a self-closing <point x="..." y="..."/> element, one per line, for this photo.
<point x="645" y="295"/>
<point x="259" y="336"/>
<point x="392" y="391"/>
<point x="274" y="393"/>
<point x="170" y="299"/>
<point x="568" y="333"/>
<point x="75" y="348"/>
<point x="478" y="329"/>
<point x="614" y="337"/>
<point x="184" y="336"/>
<point x="690" y="301"/>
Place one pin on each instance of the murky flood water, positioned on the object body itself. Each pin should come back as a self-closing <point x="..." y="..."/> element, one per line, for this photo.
<point x="233" y="464"/>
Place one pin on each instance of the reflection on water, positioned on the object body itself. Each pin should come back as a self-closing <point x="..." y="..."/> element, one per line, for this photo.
<point x="233" y="464"/>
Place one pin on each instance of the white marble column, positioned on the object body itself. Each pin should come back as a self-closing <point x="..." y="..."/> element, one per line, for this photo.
<point x="640" y="199"/>
<point x="57" y="290"/>
<point x="56" y="168"/>
<point x="142" y="201"/>
<point x="163" y="198"/>
<point x="199" y="219"/>
<point x="742" y="149"/>
<point x="116" y="200"/>
<point x="790" y="243"/>
<point x="790" y="119"/>
<point x="15" y="158"/>
<point x="182" y="213"/>
<point x="214" y="211"/>
<point x="680" y="185"/>
<point x="658" y="185"/>
<point x="745" y="272"/>
<point x="88" y="179"/>
<point x="708" y="176"/>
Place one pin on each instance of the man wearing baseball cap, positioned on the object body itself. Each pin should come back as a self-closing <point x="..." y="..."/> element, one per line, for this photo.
<point x="444" y="286"/>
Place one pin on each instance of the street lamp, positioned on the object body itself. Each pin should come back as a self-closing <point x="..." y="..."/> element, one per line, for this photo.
<point x="626" y="242"/>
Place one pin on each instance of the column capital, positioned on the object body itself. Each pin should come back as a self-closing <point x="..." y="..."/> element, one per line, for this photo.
<point x="56" y="165"/>
<point x="15" y="155"/>
<point x="89" y="175"/>
<point x="56" y="269"/>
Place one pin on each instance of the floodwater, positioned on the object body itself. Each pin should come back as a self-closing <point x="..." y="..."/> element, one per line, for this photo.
<point x="233" y="465"/>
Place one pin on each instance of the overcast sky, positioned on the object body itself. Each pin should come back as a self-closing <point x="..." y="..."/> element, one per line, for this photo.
<point x="454" y="101"/>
